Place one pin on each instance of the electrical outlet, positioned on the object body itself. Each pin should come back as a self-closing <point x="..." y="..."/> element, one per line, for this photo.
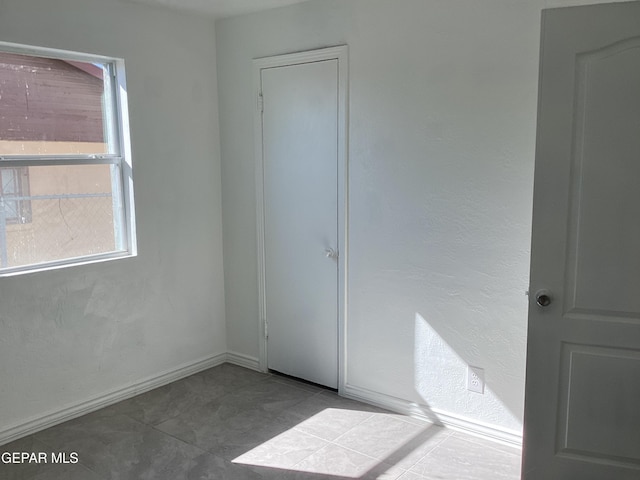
<point x="475" y="379"/>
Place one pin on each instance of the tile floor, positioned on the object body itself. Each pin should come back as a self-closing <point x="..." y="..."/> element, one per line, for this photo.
<point x="232" y="423"/>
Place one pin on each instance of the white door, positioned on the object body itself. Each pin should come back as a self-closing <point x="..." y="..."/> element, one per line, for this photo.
<point x="582" y="408"/>
<point x="300" y="143"/>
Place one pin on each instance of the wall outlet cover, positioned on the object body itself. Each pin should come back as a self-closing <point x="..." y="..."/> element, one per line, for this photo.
<point x="475" y="379"/>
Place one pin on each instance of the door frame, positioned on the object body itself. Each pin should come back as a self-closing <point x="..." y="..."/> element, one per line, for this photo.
<point x="339" y="53"/>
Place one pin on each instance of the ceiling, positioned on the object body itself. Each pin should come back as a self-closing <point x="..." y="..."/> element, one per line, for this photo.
<point x="222" y="8"/>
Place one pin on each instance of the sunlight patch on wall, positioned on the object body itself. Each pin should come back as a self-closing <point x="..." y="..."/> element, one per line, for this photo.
<point x="440" y="376"/>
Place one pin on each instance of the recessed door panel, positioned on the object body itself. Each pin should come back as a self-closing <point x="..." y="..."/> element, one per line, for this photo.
<point x="599" y="417"/>
<point x="605" y="177"/>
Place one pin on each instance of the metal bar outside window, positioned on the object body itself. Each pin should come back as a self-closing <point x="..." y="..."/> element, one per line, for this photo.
<point x="55" y="160"/>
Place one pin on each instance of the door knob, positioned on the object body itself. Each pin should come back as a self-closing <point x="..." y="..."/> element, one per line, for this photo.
<point x="543" y="298"/>
<point x="331" y="253"/>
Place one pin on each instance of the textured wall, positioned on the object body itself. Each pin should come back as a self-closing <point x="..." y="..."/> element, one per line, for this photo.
<point x="441" y="153"/>
<point x="441" y="156"/>
<point x="73" y="334"/>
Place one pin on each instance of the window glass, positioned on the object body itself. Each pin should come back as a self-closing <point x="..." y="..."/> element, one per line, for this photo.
<point x="62" y="171"/>
<point x="53" y="107"/>
<point x="14" y="189"/>
<point x="72" y="215"/>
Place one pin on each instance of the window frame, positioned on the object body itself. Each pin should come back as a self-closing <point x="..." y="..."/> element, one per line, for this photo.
<point x="117" y="117"/>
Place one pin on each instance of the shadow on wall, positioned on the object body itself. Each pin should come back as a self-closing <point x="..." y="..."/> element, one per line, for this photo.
<point x="437" y="357"/>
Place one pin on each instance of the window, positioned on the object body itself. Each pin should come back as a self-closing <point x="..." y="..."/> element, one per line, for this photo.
<point x="65" y="166"/>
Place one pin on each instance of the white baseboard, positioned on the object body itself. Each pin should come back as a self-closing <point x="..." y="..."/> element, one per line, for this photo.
<point x="109" y="398"/>
<point x="243" y="360"/>
<point x="454" y="422"/>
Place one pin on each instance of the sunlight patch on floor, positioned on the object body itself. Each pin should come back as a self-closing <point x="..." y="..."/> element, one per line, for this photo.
<point x="346" y="443"/>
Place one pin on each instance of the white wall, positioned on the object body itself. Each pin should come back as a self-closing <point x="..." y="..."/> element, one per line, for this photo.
<point x="442" y="135"/>
<point x="71" y="335"/>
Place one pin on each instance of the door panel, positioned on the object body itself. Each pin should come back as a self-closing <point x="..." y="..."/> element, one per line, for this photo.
<point x="583" y="360"/>
<point x="588" y="425"/>
<point x="300" y="147"/>
<point x="604" y="189"/>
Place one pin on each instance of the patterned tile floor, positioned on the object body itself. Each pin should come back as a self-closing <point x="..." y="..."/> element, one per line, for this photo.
<point x="232" y="423"/>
